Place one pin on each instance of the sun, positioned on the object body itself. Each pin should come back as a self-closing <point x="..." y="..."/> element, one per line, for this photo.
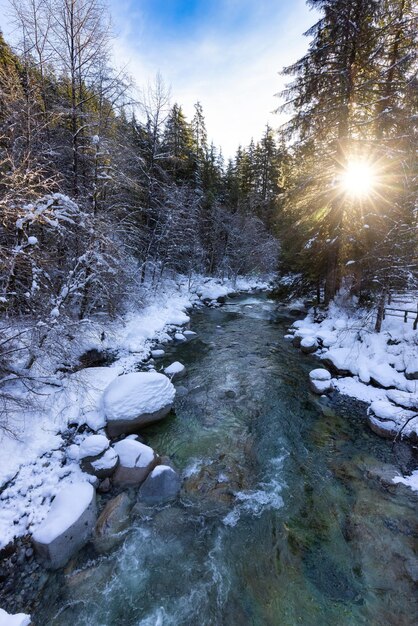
<point x="358" y="179"/>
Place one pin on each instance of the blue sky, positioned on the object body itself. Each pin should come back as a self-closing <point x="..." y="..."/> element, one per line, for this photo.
<point x="225" y="53"/>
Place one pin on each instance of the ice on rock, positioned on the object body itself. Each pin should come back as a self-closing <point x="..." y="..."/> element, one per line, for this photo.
<point x="93" y="445"/>
<point x="68" y="525"/>
<point x="136" y="399"/>
<point x="19" y="619"/>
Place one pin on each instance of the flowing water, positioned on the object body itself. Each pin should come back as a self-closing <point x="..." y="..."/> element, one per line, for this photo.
<point x="282" y="518"/>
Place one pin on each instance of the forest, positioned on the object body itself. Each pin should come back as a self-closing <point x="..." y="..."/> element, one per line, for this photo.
<point x="122" y="223"/>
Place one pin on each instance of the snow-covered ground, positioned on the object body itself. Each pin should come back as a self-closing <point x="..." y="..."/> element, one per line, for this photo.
<point x="378" y="368"/>
<point x="35" y="457"/>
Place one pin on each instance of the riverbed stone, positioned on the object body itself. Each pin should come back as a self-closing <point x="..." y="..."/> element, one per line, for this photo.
<point x="162" y="485"/>
<point x="113" y="520"/>
<point x="136" y="461"/>
<point x="68" y="525"/>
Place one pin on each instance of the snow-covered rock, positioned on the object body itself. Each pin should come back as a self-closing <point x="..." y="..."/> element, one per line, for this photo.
<point x="136" y="461"/>
<point x="162" y="485"/>
<point x="410" y="481"/>
<point x="403" y="399"/>
<point x="308" y="345"/>
<point x="19" y="619"/>
<point x="93" y="445"/>
<point x="103" y="465"/>
<point x="96" y="457"/>
<point x="157" y="354"/>
<point x="388" y="420"/>
<point x="189" y="334"/>
<point x="180" y="337"/>
<point x="68" y="525"/>
<point x="411" y="371"/>
<point x="175" y="371"/>
<point x="136" y="399"/>
<point x="320" y="381"/>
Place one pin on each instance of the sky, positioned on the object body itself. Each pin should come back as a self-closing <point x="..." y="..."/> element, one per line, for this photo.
<point x="227" y="54"/>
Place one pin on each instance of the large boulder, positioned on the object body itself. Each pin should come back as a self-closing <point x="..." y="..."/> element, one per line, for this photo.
<point x="113" y="520"/>
<point x="162" y="485"/>
<point x="136" y="461"/>
<point x="68" y="525"/>
<point x="320" y="381"/>
<point x="134" y="400"/>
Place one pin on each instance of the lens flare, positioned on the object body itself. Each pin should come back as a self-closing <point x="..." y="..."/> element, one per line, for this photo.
<point x="358" y="179"/>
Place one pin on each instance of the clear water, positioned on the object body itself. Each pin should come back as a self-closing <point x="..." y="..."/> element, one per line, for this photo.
<point x="280" y="520"/>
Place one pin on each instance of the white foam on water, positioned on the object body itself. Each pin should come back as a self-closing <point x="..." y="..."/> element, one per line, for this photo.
<point x="257" y="501"/>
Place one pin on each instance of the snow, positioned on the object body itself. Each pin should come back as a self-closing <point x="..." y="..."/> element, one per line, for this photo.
<point x="404" y="399"/>
<point x="179" y="337"/>
<point x="106" y="461"/>
<point x="412" y="367"/>
<point x="67" y="507"/>
<point x="156" y="354"/>
<point x="308" y="342"/>
<point x="93" y="446"/>
<point x="79" y="400"/>
<point x="189" y="334"/>
<point x="160" y="469"/>
<point x="32" y="241"/>
<point x="174" y="368"/>
<point x="386" y="411"/>
<point x="320" y="374"/>
<point x="19" y="619"/>
<point x="133" y="394"/>
<point x="35" y="459"/>
<point x="374" y="367"/>
<point x="410" y="481"/>
<point x="133" y="453"/>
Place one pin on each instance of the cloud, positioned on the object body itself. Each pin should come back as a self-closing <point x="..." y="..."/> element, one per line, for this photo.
<point x="230" y="62"/>
<point x="225" y="53"/>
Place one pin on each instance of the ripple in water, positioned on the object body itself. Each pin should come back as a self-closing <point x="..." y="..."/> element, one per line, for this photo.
<point x="255" y="502"/>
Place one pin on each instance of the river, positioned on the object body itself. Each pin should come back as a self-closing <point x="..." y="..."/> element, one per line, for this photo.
<point x="282" y="518"/>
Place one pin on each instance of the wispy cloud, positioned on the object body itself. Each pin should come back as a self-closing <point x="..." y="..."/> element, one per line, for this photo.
<point x="229" y="59"/>
<point x="225" y="53"/>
